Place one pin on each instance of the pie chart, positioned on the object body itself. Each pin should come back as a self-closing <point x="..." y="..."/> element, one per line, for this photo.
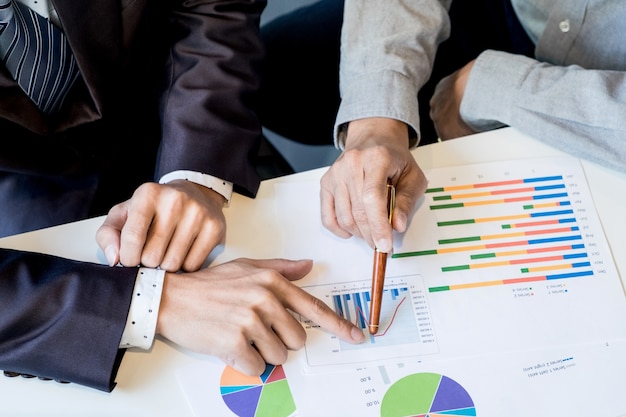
<point x="267" y="395"/>
<point x="427" y="395"/>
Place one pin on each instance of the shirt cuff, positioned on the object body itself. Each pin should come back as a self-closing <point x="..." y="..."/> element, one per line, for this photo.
<point x="484" y="107"/>
<point x="224" y="188"/>
<point x="144" y="309"/>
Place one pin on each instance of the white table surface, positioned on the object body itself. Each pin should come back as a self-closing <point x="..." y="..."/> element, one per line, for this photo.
<point x="147" y="384"/>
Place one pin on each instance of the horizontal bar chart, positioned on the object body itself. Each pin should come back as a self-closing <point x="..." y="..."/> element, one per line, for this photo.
<point x="539" y="237"/>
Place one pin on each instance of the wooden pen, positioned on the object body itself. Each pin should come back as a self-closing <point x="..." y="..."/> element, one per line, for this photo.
<point x="380" y="265"/>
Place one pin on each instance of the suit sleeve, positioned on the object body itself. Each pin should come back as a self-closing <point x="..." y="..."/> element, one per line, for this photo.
<point x="62" y="319"/>
<point x="207" y="109"/>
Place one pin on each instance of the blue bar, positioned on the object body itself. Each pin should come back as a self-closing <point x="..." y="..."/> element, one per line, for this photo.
<point x="553" y="178"/>
<point x="549" y="187"/>
<point x="543" y="197"/>
<point x="570" y="275"/>
<point x="575" y="255"/>
<point x="338" y="305"/>
<point x="346" y="309"/>
<point x="579" y="246"/>
<point x="554" y="239"/>
<point x="552" y="213"/>
<point x="571" y="220"/>
<point x="581" y="264"/>
<point x="358" y="306"/>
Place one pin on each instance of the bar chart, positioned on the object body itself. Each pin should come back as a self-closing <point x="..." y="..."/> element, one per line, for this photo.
<point x="542" y="240"/>
<point x="405" y="325"/>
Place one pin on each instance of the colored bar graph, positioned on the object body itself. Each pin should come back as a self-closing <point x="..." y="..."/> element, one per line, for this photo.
<point x="494" y="184"/>
<point x="508" y="235"/>
<point x="554" y="247"/>
<point x="510" y="281"/>
<point x="514" y="262"/>
<point x="485" y="246"/>
<point x="505" y="218"/>
<point x="498" y="192"/>
<point x="498" y="201"/>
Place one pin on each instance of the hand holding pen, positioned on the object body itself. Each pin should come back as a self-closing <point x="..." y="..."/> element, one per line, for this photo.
<point x="380" y="266"/>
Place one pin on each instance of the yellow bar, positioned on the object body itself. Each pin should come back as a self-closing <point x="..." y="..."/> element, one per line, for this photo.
<point x="461" y="249"/>
<point x="512" y="252"/>
<point x="476" y="285"/>
<point x="470" y="195"/>
<point x="513" y="234"/>
<point x="489" y="264"/>
<point x="544" y="205"/>
<point x="483" y="202"/>
<point x="500" y="218"/>
<point x="458" y="187"/>
<point x="549" y="268"/>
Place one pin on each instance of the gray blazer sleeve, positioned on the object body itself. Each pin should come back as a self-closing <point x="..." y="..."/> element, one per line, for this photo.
<point x="580" y="111"/>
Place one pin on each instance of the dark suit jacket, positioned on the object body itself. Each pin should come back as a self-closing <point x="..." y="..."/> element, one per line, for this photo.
<point x="62" y="319"/>
<point x="165" y="85"/>
<point x="172" y="76"/>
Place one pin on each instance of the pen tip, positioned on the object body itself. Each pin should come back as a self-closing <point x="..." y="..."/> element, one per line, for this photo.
<point x="373" y="328"/>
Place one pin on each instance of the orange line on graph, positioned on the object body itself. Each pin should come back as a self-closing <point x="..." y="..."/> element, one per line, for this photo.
<point x="390" y="322"/>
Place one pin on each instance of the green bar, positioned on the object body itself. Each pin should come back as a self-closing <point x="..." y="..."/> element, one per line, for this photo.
<point x="442" y="197"/>
<point x="483" y="255"/>
<point x="455" y="268"/>
<point x="524" y="270"/>
<point x="435" y="190"/>
<point x="418" y="253"/>
<point x="506" y="226"/>
<point x="528" y="207"/>
<point x="455" y="222"/>
<point x="446" y="206"/>
<point x="438" y="289"/>
<point x="459" y="240"/>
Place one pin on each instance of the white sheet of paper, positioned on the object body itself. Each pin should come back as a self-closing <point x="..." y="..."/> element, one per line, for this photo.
<point x="522" y="263"/>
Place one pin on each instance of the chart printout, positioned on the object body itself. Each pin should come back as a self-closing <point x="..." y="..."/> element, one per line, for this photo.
<point x="497" y="257"/>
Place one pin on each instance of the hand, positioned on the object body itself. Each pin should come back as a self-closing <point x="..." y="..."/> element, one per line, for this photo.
<point x="445" y="105"/>
<point x="173" y="226"/>
<point x="237" y="311"/>
<point x="353" y="190"/>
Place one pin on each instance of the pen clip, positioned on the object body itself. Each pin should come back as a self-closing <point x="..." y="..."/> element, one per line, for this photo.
<point x="391" y="200"/>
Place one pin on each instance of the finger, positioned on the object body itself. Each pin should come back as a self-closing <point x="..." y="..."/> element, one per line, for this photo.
<point x="344" y="210"/>
<point x="200" y="249"/>
<point x="245" y="358"/>
<point x="108" y="234"/>
<point x="290" y="269"/>
<point x="329" y="211"/>
<point x="328" y="216"/>
<point x="280" y="333"/>
<point x="375" y="201"/>
<point x="409" y="190"/>
<point x="134" y="234"/>
<point x="193" y="241"/>
<point x="317" y="311"/>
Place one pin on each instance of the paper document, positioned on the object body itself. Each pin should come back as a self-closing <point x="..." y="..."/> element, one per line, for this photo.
<point x="498" y="257"/>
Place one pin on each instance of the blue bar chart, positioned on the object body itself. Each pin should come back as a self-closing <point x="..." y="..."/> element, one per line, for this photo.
<point x="405" y="324"/>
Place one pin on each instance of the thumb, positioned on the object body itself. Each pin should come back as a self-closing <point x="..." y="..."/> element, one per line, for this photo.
<point x="290" y="269"/>
<point x="108" y="234"/>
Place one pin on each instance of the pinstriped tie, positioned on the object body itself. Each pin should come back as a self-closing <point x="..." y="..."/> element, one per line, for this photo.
<point x="37" y="55"/>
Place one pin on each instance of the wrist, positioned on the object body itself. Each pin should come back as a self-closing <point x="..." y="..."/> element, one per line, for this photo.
<point x="393" y="131"/>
